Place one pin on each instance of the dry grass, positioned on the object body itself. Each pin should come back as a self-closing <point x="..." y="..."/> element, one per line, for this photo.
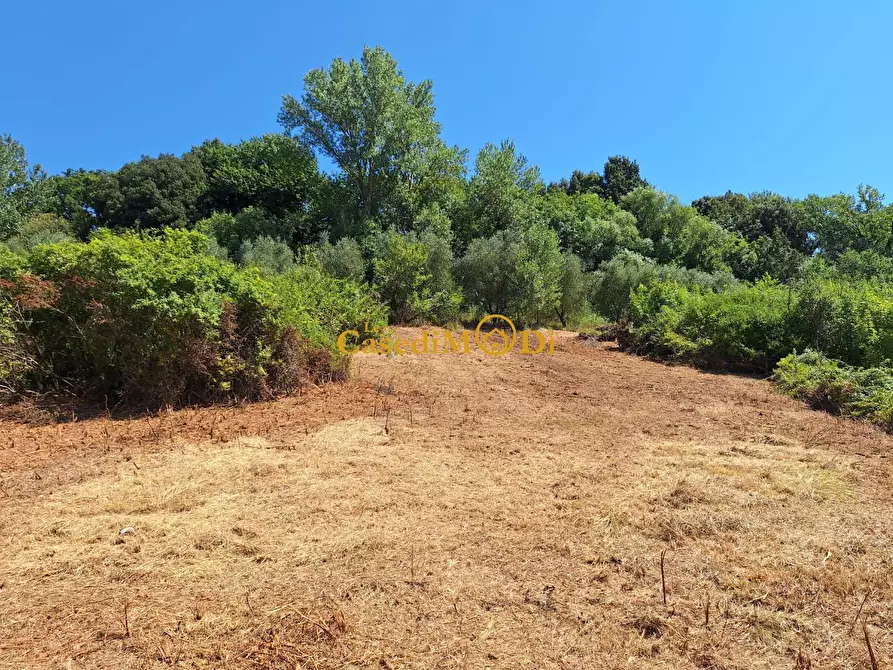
<point x="455" y="512"/>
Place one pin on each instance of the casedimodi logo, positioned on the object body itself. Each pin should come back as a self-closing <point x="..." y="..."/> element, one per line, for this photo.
<point x="495" y="335"/>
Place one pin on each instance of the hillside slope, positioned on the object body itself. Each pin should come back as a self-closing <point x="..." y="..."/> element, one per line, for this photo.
<point x="455" y="511"/>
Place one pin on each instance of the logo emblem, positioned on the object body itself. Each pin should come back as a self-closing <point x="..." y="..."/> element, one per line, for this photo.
<point x="498" y="340"/>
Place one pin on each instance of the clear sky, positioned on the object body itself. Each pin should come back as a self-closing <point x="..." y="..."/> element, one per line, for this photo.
<point x="707" y="95"/>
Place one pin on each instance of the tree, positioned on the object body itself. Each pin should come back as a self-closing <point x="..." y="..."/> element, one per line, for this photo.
<point x="78" y="197"/>
<point x="38" y="229"/>
<point x="590" y="227"/>
<point x="774" y="256"/>
<point x="516" y="272"/>
<point x="679" y="234"/>
<point x="435" y="220"/>
<point x="619" y="177"/>
<point x="432" y="181"/>
<point x="616" y="278"/>
<point x="148" y="193"/>
<point x="582" y="183"/>
<point x="22" y="189"/>
<point x="267" y="253"/>
<point x="759" y="215"/>
<point x="574" y="289"/>
<point x="538" y="271"/>
<point x="500" y="193"/>
<point x="842" y="222"/>
<point x="274" y="172"/>
<point x="378" y="129"/>
<point x="344" y="259"/>
<point x="486" y="271"/>
<point x="446" y="297"/>
<point x="231" y="230"/>
<point x="411" y="273"/>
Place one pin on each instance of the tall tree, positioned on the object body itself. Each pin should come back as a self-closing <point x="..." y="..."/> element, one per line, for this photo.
<point x="619" y="177"/>
<point x="157" y="192"/>
<point x="580" y="183"/>
<point x="148" y="193"/>
<point x="79" y="197"/>
<point x="590" y="227"/>
<point x="842" y="222"/>
<point x="378" y="128"/>
<point x="500" y="193"/>
<point x="21" y="186"/>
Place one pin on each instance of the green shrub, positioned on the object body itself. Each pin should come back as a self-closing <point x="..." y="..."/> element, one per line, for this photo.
<point x="752" y="326"/>
<point x="865" y="265"/>
<point x="412" y="273"/>
<point x="232" y="230"/>
<point x="850" y="320"/>
<point x="40" y="229"/>
<point x="485" y="271"/>
<point x="344" y="259"/>
<point x="155" y="319"/>
<point x="446" y="296"/>
<point x="17" y="361"/>
<point x="575" y="288"/>
<point x="266" y="253"/>
<point x="746" y="327"/>
<point x="616" y="279"/>
<point x="836" y="387"/>
<point x="515" y="272"/>
<point x="321" y="306"/>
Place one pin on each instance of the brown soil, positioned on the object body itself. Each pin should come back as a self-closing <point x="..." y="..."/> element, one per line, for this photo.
<point x="455" y="511"/>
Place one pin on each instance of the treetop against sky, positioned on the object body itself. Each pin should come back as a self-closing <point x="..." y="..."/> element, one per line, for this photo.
<point x="706" y="96"/>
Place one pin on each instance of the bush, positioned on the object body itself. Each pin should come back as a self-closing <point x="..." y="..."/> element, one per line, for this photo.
<point x="16" y="292"/>
<point x="40" y="229"/>
<point x="515" y="272"/>
<point x="615" y="280"/>
<point x="344" y="259"/>
<point x="155" y="319"/>
<point x="412" y="274"/>
<point x="752" y="326"/>
<point x="447" y="297"/>
<point x="232" y="230"/>
<point x="485" y="271"/>
<point x="268" y="254"/>
<point x="747" y="327"/>
<point x="864" y="265"/>
<point x="536" y="280"/>
<point x="321" y="306"/>
<point x="836" y="387"/>
<point x="850" y="320"/>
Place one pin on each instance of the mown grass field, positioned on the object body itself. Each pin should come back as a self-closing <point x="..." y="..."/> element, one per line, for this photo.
<point x="454" y="512"/>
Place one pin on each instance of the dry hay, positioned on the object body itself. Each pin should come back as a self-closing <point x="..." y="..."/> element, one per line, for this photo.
<point x="455" y="511"/>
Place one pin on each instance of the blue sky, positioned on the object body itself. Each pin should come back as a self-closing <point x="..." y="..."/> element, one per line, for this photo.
<point x="708" y="96"/>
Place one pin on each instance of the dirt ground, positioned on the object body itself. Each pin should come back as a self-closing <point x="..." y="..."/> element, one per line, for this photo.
<point x="455" y="511"/>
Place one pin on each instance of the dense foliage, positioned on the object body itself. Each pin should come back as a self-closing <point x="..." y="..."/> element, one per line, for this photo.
<point x="216" y="261"/>
<point x="156" y="319"/>
<point x="836" y="387"/>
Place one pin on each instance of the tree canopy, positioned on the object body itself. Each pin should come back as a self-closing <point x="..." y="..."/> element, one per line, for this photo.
<point x="362" y="183"/>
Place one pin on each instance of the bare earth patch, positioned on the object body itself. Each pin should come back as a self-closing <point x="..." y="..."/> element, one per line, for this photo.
<point x="455" y="512"/>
